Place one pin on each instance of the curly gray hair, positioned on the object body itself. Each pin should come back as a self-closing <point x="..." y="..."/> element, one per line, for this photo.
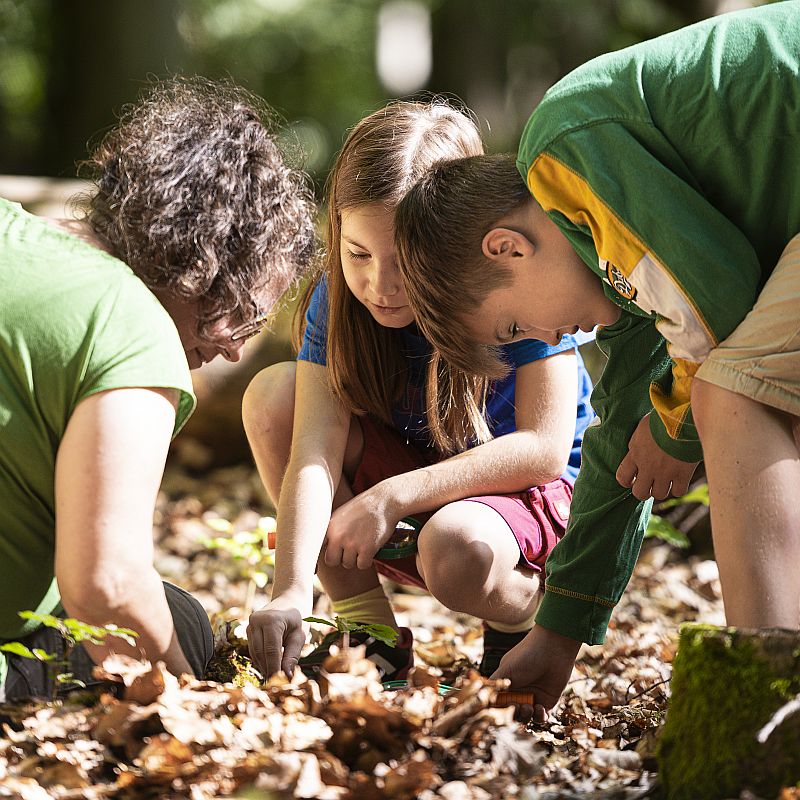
<point x="194" y="194"/>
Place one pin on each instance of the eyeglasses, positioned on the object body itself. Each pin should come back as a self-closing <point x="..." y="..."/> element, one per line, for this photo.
<point x="249" y="329"/>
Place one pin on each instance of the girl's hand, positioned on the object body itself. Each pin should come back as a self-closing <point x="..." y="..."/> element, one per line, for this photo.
<point x="650" y="472"/>
<point x="359" y="528"/>
<point x="275" y="634"/>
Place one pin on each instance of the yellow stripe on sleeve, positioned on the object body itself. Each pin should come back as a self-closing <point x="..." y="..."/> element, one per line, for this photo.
<point x="673" y="407"/>
<point x="556" y="187"/>
<point x="633" y="271"/>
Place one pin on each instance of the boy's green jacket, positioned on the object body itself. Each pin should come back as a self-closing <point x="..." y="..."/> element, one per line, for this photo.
<point x="673" y="167"/>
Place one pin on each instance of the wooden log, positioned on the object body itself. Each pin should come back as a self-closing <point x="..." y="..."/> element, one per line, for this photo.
<point x="727" y="684"/>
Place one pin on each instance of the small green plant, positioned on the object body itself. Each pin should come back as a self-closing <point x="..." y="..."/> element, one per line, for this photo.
<point x="73" y="632"/>
<point x="19" y="649"/>
<point x="249" y="547"/>
<point x="659" y="528"/>
<point x="383" y="633"/>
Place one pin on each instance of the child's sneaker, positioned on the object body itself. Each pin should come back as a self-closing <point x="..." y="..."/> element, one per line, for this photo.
<point x="495" y="645"/>
<point x="393" y="663"/>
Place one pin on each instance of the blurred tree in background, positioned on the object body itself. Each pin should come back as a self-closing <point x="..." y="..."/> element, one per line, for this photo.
<point x="66" y="65"/>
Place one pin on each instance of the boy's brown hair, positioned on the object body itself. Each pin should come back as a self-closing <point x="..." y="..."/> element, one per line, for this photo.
<point x="439" y="228"/>
<point x="192" y="192"/>
<point x="382" y="158"/>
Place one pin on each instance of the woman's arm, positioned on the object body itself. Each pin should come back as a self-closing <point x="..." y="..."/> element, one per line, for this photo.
<point x="108" y="470"/>
<point x="319" y="437"/>
<point x="546" y="398"/>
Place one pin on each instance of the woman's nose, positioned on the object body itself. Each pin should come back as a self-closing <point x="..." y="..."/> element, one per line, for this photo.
<point x="232" y="351"/>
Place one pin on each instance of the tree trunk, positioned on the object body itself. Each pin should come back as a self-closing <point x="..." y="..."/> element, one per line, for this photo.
<point x="101" y="54"/>
<point x="727" y="685"/>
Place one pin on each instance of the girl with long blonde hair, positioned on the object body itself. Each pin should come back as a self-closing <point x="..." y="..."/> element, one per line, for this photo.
<point x="370" y="427"/>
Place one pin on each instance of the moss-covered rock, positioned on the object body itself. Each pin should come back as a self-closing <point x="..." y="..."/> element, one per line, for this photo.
<point x="726" y="685"/>
<point x="231" y="666"/>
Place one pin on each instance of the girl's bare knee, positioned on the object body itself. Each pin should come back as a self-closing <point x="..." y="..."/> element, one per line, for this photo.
<point x="455" y="564"/>
<point x="268" y="402"/>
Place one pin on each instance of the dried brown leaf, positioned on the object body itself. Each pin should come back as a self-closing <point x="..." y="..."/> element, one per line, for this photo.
<point x="163" y="757"/>
<point x="406" y="781"/>
<point x="459" y="790"/>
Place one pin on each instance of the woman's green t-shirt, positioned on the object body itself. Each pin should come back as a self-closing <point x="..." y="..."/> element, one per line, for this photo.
<point x="73" y="321"/>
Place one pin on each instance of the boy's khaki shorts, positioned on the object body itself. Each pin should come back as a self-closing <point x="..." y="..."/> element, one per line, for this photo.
<point x="761" y="358"/>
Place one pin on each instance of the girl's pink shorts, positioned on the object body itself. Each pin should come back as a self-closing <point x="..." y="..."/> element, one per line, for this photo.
<point x="537" y="517"/>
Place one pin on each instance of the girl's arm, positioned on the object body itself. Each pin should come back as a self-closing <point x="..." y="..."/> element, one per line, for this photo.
<point x="319" y="437"/>
<point x="537" y="452"/>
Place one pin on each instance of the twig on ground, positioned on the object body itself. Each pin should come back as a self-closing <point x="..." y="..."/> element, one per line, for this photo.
<point x="792" y="707"/>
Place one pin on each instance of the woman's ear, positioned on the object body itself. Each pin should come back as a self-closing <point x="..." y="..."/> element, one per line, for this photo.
<point x="501" y="244"/>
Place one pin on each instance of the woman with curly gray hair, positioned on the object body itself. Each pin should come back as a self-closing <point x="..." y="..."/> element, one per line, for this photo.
<point x="194" y="195"/>
<point x="196" y="227"/>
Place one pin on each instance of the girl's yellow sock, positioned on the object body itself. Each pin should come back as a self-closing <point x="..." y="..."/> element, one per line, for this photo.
<point x="371" y="607"/>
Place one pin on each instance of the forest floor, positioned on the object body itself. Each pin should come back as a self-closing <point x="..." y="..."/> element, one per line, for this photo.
<point x="346" y="737"/>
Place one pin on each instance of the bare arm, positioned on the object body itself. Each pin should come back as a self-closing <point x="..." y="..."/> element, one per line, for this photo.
<point x="319" y="438"/>
<point x="108" y="470"/>
<point x="546" y="397"/>
<point x="537" y="452"/>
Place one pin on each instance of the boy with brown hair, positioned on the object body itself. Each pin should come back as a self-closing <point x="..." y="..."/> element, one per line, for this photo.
<point x="655" y="202"/>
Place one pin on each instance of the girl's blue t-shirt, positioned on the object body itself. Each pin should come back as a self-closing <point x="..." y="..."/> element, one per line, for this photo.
<point x="409" y="416"/>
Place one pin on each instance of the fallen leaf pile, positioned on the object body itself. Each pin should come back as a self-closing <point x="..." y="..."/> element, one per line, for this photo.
<point x="344" y="736"/>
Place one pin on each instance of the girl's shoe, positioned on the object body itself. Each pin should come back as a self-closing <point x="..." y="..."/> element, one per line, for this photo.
<point x="393" y="663"/>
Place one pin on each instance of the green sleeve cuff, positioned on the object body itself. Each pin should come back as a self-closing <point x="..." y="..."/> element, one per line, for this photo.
<point x="569" y="613"/>
<point x="684" y="449"/>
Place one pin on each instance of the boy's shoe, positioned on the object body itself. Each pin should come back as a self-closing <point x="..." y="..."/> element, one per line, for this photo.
<point x="495" y="645"/>
<point x="393" y="663"/>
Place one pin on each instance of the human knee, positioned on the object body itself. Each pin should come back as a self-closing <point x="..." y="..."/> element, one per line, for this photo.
<point x="455" y="563"/>
<point x="268" y="402"/>
<point x="707" y="400"/>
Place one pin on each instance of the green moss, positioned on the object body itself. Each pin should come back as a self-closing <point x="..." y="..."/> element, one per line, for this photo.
<point x="787" y="688"/>
<point x="723" y="692"/>
<point x="232" y="667"/>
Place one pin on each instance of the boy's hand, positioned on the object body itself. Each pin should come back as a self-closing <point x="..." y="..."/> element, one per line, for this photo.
<point x="650" y="472"/>
<point x="542" y="663"/>
<point x="359" y="528"/>
<point x="275" y="635"/>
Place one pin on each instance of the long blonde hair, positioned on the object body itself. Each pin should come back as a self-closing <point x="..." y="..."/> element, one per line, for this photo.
<point x="384" y="155"/>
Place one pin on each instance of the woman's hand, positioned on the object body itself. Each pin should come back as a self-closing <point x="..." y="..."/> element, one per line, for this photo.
<point x="360" y="527"/>
<point x="650" y="472"/>
<point x="275" y="634"/>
